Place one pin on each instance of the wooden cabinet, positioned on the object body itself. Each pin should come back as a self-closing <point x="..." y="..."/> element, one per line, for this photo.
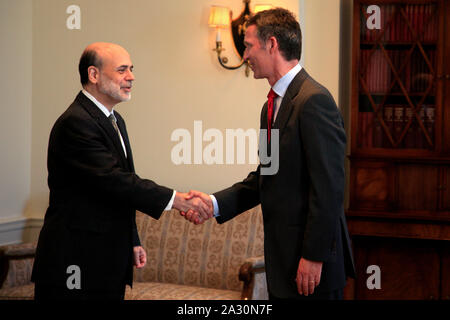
<point x="445" y="275"/>
<point x="399" y="210"/>
<point x="400" y="267"/>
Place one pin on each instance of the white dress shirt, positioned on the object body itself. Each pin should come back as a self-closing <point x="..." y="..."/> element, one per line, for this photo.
<point x="280" y="88"/>
<point x="107" y="114"/>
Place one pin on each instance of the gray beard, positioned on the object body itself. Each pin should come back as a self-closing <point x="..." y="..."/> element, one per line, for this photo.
<point x="111" y="91"/>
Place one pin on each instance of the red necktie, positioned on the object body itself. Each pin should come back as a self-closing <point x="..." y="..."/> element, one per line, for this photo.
<point x="271" y="96"/>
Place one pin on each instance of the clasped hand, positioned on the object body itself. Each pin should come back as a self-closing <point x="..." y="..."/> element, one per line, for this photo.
<point x="195" y="206"/>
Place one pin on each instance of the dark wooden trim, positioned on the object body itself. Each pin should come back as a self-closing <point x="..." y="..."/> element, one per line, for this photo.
<point x="247" y="275"/>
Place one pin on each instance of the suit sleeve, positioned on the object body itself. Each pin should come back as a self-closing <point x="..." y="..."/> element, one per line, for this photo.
<point x="324" y="140"/>
<point x="81" y="148"/>
<point x="136" y="240"/>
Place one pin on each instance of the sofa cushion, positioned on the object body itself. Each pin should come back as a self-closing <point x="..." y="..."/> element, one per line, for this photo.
<point x="25" y="292"/>
<point x="207" y="255"/>
<point x="142" y="291"/>
<point x="169" y="291"/>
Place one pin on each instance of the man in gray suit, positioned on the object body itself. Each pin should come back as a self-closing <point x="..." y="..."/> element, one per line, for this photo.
<point x="307" y="247"/>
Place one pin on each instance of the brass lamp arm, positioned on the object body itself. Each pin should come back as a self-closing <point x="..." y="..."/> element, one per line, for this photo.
<point x="229" y="67"/>
<point x="223" y="60"/>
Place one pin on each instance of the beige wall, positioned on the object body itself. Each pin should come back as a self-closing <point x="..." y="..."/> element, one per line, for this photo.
<point x="15" y="108"/>
<point x="321" y="30"/>
<point x="178" y="81"/>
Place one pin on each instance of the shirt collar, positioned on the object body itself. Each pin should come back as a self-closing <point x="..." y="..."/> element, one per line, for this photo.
<point x="98" y="104"/>
<point x="282" y="84"/>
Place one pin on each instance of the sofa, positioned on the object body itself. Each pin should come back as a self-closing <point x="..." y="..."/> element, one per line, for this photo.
<point x="184" y="261"/>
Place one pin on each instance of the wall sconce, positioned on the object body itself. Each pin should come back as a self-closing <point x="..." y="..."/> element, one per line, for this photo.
<point x="221" y="18"/>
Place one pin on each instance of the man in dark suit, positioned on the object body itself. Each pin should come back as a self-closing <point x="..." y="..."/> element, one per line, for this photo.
<point x="89" y="241"/>
<point x="307" y="247"/>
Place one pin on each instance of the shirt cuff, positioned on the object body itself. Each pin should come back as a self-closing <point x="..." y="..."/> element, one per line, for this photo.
<point x="216" y="206"/>
<point x="169" y="205"/>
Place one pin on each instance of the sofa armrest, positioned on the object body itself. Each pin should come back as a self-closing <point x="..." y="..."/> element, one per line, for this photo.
<point x="253" y="274"/>
<point x="16" y="263"/>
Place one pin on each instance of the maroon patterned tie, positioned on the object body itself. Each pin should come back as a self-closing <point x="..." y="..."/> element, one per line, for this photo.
<point x="271" y="97"/>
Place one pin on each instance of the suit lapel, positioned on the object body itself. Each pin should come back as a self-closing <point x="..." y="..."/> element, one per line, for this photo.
<point x="126" y="140"/>
<point x="104" y="122"/>
<point x="287" y="105"/>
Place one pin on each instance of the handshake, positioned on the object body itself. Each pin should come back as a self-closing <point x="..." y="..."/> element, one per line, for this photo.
<point x="195" y="206"/>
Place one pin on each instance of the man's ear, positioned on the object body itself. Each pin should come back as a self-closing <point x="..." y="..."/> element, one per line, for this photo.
<point x="93" y="74"/>
<point x="273" y="44"/>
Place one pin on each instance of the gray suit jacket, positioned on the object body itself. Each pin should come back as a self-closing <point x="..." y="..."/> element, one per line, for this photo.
<point x="303" y="203"/>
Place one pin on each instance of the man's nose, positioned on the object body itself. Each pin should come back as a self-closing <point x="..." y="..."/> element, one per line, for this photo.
<point x="245" y="57"/>
<point x="130" y="76"/>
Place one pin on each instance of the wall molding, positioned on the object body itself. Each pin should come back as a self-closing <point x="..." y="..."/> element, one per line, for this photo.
<point x="19" y="229"/>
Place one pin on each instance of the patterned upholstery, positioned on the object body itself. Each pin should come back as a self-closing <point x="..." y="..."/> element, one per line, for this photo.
<point x="207" y="255"/>
<point x="168" y="291"/>
<point x="16" y="262"/>
<point x="184" y="261"/>
<point x="19" y="266"/>
<point x="25" y="292"/>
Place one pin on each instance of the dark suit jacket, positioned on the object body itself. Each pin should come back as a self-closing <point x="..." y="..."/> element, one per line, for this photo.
<point x="94" y="195"/>
<point x="303" y="203"/>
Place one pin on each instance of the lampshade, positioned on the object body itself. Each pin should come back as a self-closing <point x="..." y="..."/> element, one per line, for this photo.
<point x="262" y="7"/>
<point x="219" y="17"/>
